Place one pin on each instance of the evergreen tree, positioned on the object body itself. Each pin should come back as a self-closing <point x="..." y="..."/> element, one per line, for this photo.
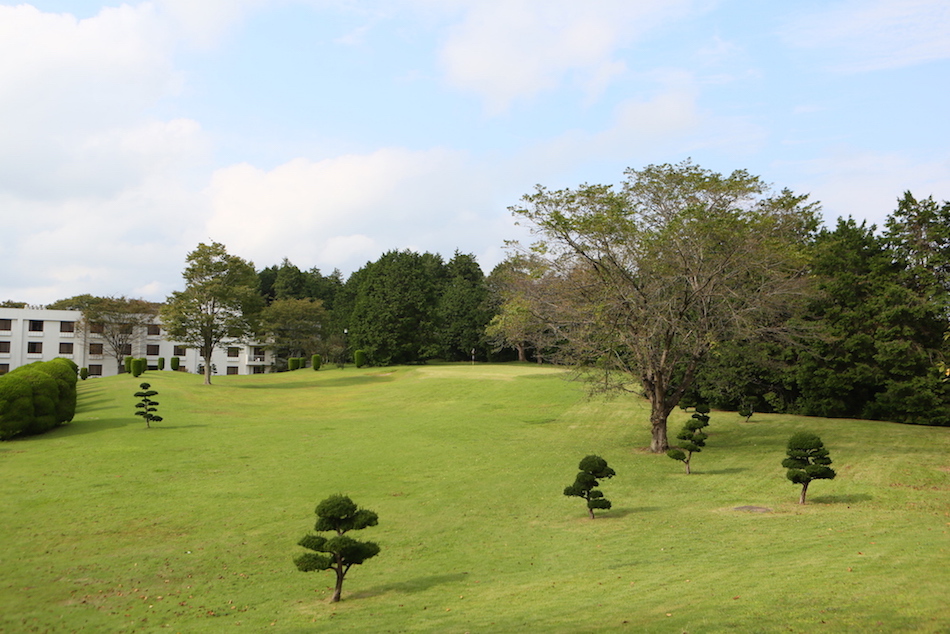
<point x="339" y="553"/>
<point x="461" y="312"/>
<point x="691" y="438"/>
<point x="592" y="468"/>
<point x="807" y="461"/>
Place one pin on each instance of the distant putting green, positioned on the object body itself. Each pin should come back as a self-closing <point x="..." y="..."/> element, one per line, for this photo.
<point x="191" y="526"/>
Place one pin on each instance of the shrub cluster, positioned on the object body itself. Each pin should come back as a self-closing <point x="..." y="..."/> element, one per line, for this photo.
<point x="37" y="397"/>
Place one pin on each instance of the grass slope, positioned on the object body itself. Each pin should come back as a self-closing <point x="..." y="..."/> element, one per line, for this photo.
<point x="191" y="526"/>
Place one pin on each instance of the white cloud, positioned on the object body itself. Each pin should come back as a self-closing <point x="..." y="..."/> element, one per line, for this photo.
<point x="866" y="185"/>
<point x="344" y="211"/>
<point x="876" y="35"/>
<point x="514" y="49"/>
<point x="73" y="95"/>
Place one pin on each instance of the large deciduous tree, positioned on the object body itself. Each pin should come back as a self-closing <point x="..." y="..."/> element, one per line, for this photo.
<point x="651" y="276"/>
<point x="117" y="320"/>
<point x="295" y="327"/>
<point x="220" y="303"/>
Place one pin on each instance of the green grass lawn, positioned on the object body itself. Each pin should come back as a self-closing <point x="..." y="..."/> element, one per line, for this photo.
<point x="191" y="526"/>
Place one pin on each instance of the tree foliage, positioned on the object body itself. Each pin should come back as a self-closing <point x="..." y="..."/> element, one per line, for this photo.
<point x="807" y="461"/>
<point x="146" y="407"/>
<point x="691" y="439"/>
<point x="295" y="327"/>
<point x="220" y="303"/>
<point x="592" y="469"/>
<point x="116" y="320"/>
<point x="648" y="278"/>
<point x="340" y="552"/>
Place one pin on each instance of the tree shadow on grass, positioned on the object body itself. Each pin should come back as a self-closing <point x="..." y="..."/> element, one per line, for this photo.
<point x="408" y="587"/>
<point x="852" y="498"/>
<point x="89" y="427"/>
<point x="720" y="471"/>
<point x="621" y="512"/>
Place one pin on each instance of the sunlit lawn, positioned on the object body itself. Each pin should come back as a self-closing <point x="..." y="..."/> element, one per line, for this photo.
<point x="191" y="526"/>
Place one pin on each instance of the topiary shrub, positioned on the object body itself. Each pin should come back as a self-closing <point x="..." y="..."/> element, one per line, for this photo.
<point x="146" y="408"/>
<point x="161" y="363"/>
<point x="746" y="412"/>
<point x="138" y="367"/>
<point x="84" y="373"/>
<point x="807" y="460"/>
<point x="591" y="468"/>
<point x="175" y="364"/>
<point x="293" y="363"/>
<point x="338" y="553"/>
<point x="316" y="361"/>
<point x="127" y="364"/>
<point x="359" y="358"/>
<point x="64" y="372"/>
<point x="691" y="438"/>
<point x="16" y="405"/>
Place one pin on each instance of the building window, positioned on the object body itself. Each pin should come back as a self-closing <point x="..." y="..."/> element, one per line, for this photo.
<point x="154" y="329"/>
<point x="95" y="369"/>
<point x="67" y="326"/>
<point x="96" y="329"/>
<point x="4" y="368"/>
<point x="34" y="347"/>
<point x="4" y="346"/>
<point x="65" y="347"/>
<point x="257" y="369"/>
<point x="125" y="349"/>
<point x="151" y="350"/>
<point x="258" y="354"/>
<point x="95" y="348"/>
<point x="6" y="324"/>
<point x="178" y="351"/>
<point x="232" y="370"/>
<point x="36" y="325"/>
<point x="234" y="352"/>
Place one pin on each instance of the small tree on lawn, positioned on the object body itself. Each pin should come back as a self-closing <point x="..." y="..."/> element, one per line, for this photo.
<point x="692" y="438"/>
<point x="338" y="553"/>
<point x="807" y="460"/>
<point x="146" y="408"/>
<point x="746" y="412"/>
<point x="592" y="468"/>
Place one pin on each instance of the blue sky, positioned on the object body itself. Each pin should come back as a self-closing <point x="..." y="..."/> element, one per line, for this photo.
<point x="332" y="131"/>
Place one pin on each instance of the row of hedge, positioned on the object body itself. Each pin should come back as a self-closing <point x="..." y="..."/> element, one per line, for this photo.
<point x="37" y="397"/>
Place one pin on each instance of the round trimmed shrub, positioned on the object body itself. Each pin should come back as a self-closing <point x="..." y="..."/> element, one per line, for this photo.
<point x="84" y="374"/>
<point x="138" y="367"/>
<point x="359" y="358"/>
<point x="316" y="361"/>
<point x="293" y="363"/>
<point x="161" y="363"/>
<point x="175" y="364"/>
<point x="128" y="363"/>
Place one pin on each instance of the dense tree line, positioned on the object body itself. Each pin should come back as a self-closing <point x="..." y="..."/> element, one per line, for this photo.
<point x="405" y="307"/>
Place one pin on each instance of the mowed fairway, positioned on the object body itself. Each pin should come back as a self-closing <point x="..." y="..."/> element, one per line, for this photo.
<point x="191" y="526"/>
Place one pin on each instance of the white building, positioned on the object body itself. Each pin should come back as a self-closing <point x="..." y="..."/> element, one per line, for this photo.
<point x="38" y="334"/>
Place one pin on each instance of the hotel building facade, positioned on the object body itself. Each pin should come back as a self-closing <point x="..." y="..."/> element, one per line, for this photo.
<point x="39" y="334"/>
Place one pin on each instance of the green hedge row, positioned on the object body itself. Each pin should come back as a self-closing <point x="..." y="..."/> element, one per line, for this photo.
<point x="37" y="397"/>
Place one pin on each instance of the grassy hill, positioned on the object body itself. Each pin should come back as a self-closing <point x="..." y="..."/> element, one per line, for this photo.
<point x="191" y="526"/>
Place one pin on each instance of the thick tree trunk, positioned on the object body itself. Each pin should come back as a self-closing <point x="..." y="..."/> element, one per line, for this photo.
<point x="801" y="499"/>
<point x="338" y="589"/>
<point x="521" y="355"/>
<point x="658" y="442"/>
<point x="208" y="370"/>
